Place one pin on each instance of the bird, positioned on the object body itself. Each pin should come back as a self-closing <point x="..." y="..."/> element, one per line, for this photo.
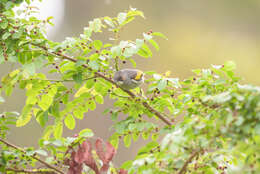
<point x="129" y="78"/>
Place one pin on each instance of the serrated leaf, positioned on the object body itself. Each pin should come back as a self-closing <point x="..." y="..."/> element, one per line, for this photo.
<point x="69" y="121"/>
<point x="127" y="140"/>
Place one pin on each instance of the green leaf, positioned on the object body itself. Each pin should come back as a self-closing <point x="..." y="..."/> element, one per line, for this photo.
<point x="155" y="136"/>
<point x="9" y="90"/>
<point x="45" y="102"/>
<point x="154" y="44"/>
<point x="95" y="25"/>
<point x="257" y="129"/>
<point x="41" y="152"/>
<point x="99" y="99"/>
<point x="91" y="105"/>
<point x="114" y="140"/>
<point x="162" y="84"/>
<point x="229" y="66"/>
<point x="86" y="133"/>
<point x="160" y="35"/>
<point x="145" y="51"/>
<point x="135" y="136"/>
<point x="97" y="44"/>
<point x="127" y="140"/>
<point x="94" y="65"/>
<point x="42" y="118"/>
<point x="90" y="83"/>
<point x="3" y="24"/>
<point x="58" y="129"/>
<point x="6" y="35"/>
<point x="69" y="121"/>
<point x="77" y="77"/>
<point x="121" y="17"/>
<point x="87" y="32"/>
<point x="145" y="135"/>
<point x="47" y="132"/>
<point x="78" y="113"/>
<point x="25" y="116"/>
<point x="109" y="22"/>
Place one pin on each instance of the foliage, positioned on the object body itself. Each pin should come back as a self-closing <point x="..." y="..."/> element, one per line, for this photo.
<point x="212" y="121"/>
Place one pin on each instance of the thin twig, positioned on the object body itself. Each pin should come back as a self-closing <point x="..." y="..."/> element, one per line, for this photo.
<point x="185" y="165"/>
<point x="41" y="171"/>
<point x="98" y="74"/>
<point x="34" y="157"/>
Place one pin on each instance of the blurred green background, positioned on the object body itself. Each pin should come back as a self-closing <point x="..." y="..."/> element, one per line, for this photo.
<point x="200" y="33"/>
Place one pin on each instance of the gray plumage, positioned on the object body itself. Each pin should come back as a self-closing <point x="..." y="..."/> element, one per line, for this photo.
<point x="125" y="78"/>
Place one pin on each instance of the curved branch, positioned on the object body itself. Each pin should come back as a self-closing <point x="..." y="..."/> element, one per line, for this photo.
<point x="34" y="157"/>
<point x="30" y="171"/>
<point x="185" y="165"/>
<point x="98" y="74"/>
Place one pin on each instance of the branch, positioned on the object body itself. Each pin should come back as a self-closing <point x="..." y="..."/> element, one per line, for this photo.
<point x="66" y="80"/>
<point x="193" y="155"/>
<point x="98" y="74"/>
<point x="34" y="157"/>
<point x="41" y="171"/>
